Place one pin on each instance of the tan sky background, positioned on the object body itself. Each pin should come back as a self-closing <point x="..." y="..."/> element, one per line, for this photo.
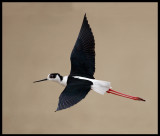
<point x="38" y="39"/>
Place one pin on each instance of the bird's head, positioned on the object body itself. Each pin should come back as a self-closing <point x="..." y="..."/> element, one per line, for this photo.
<point x="53" y="77"/>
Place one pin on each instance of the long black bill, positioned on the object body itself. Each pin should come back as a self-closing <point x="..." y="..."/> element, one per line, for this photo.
<point x="40" y="80"/>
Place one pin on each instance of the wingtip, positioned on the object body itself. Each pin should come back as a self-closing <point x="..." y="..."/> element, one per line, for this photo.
<point x="85" y="16"/>
<point x="56" y="110"/>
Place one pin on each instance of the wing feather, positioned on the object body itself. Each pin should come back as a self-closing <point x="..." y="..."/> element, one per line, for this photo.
<point x="75" y="91"/>
<point x="83" y="54"/>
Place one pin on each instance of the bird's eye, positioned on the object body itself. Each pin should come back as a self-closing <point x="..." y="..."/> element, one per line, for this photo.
<point x="52" y="76"/>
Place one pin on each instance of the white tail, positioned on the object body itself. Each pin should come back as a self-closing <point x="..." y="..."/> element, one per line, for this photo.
<point x="100" y="86"/>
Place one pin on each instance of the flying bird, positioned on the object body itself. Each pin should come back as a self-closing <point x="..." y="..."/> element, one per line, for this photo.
<point x="81" y="80"/>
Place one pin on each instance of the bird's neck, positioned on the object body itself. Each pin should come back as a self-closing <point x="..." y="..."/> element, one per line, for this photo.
<point x="62" y="80"/>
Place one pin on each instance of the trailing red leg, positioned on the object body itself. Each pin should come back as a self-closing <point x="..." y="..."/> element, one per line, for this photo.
<point x="125" y="95"/>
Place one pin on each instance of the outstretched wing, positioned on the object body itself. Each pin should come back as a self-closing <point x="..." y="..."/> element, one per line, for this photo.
<point x="83" y="54"/>
<point x="74" y="92"/>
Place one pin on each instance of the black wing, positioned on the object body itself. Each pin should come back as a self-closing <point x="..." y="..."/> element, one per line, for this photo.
<point x="83" y="54"/>
<point x="74" y="92"/>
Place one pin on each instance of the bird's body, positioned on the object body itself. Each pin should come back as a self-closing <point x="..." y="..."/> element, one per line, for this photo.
<point x="81" y="78"/>
<point x="98" y="86"/>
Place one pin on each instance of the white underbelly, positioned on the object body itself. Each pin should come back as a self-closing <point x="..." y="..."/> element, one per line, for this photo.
<point x="98" y="86"/>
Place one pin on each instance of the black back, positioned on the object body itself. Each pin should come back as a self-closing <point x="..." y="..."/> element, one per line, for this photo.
<point x="74" y="92"/>
<point x="83" y="54"/>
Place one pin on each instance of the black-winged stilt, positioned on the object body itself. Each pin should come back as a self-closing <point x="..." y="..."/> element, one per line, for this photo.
<point x="81" y="80"/>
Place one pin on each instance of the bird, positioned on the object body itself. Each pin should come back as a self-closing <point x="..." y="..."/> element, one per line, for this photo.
<point x="81" y="78"/>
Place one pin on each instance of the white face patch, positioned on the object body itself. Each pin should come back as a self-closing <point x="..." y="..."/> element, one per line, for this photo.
<point x="57" y="78"/>
<point x="48" y="77"/>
